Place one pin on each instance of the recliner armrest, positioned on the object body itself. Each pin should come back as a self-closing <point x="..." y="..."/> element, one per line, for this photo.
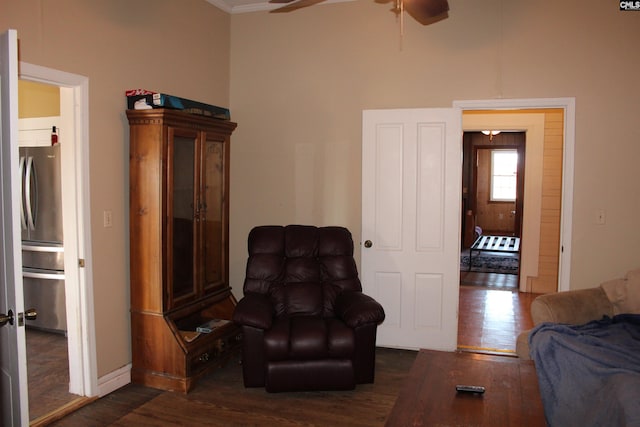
<point x="357" y="309"/>
<point x="254" y="310"/>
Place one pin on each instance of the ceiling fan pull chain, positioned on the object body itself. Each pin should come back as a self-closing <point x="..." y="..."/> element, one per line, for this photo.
<point x="402" y="18"/>
<point x="400" y="7"/>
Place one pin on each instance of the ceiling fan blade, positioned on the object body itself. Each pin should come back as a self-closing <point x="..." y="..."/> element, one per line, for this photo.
<point x="427" y="11"/>
<point x="280" y="1"/>
<point x="295" y="5"/>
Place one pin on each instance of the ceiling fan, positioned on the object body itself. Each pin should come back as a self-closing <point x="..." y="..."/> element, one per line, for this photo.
<point x="424" y="11"/>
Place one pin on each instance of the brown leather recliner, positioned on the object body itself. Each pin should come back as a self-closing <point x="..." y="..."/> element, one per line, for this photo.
<point x="306" y="323"/>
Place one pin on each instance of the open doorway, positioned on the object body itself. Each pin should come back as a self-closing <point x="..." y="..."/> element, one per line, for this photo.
<point x="492" y="206"/>
<point x="76" y="349"/>
<point x="43" y="248"/>
<point x="546" y="206"/>
<point x="548" y="125"/>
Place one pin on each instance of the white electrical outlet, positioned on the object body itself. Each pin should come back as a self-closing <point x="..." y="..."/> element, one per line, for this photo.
<point x="107" y="217"/>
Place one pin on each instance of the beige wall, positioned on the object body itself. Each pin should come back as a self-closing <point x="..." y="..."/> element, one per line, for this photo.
<point x="301" y="80"/>
<point x="179" y="47"/>
<point x="297" y="84"/>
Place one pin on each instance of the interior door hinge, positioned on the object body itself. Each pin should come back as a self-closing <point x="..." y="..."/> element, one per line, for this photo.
<point x="81" y="262"/>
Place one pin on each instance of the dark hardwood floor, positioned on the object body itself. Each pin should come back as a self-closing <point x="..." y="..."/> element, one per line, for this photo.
<point x="490" y="320"/>
<point x="220" y="399"/>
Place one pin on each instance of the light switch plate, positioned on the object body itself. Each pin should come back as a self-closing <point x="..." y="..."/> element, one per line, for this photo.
<point x="107" y="218"/>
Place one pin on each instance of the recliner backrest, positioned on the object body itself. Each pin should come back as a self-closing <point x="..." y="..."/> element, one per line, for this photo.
<point x="302" y="268"/>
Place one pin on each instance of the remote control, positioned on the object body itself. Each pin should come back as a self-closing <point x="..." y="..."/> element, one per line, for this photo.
<point x="470" y="389"/>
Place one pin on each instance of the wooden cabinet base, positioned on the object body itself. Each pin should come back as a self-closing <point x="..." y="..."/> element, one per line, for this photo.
<point x="164" y="381"/>
<point x="168" y="352"/>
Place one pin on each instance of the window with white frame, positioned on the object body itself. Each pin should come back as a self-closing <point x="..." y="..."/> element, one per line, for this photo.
<point x="504" y="172"/>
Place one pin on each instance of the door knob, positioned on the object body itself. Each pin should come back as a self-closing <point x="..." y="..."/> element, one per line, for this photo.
<point x="368" y="243"/>
<point x="31" y="314"/>
<point x="6" y="318"/>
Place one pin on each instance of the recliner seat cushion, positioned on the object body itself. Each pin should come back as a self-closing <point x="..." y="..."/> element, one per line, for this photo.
<point x="341" y="339"/>
<point x="308" y="338"/>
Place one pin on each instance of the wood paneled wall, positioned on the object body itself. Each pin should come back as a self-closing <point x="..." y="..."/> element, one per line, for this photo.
<point x="549" y="254"/>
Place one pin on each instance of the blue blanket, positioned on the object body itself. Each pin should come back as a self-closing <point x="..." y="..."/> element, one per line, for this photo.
<point x="589" y="375"/>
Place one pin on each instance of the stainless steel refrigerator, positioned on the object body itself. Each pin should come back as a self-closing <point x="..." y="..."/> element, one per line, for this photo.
<point x="42" y="238"/>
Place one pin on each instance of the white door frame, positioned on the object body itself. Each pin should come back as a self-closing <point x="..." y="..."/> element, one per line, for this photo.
<point x="74" y="105"/>
<point x="566" y="212"/>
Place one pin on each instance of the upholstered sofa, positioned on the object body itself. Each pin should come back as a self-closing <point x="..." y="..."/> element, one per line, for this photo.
<point x="306" y="323"/>
<point x="578" y="307"/>
<point x="586" y="350"/>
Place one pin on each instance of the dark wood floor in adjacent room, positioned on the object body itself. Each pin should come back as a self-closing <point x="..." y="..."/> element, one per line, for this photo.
<point x="48" y="373"/>
<point x="489" y="318"/>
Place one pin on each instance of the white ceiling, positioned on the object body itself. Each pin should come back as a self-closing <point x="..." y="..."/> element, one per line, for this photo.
<point x="243" y="6"/>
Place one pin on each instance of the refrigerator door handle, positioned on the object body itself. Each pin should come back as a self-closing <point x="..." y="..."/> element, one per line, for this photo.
<point x="23" y="220"/>
<point x="55" y="275"/>
<point x="51" y="247"/>
<point x="30" y="177"/>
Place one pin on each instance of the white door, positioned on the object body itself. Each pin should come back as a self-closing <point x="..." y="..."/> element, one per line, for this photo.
<point x="13" y="365"/>
<point x="411" y="201"/>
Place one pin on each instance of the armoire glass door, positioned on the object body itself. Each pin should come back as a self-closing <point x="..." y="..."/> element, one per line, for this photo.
<point x="184" y="215"/>
<point x="212" y="214"/>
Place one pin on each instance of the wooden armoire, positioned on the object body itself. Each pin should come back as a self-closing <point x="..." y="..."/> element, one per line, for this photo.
<point x="179" y="239"/>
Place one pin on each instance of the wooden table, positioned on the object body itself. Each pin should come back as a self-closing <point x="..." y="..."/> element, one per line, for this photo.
<point x="429" y="397"/>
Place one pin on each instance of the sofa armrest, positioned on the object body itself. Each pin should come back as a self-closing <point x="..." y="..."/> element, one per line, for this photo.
<point x="357" y="309"/>
<point x="254" y="310"/>
<point x="573" y="307"/>
<point x="522" y="345"/>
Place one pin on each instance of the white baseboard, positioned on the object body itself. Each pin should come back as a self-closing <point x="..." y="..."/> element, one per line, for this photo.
<point x="114" y="380"/>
